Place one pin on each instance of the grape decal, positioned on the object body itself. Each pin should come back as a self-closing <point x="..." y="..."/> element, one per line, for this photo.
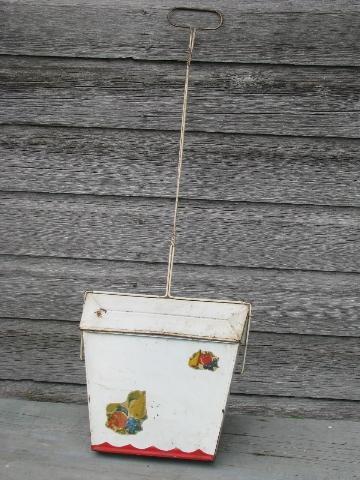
<point x="127" y="417"/>
<point x="202" y="360"/>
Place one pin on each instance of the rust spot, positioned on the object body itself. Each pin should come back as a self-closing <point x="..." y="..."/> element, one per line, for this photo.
<point x="100" y="312"/>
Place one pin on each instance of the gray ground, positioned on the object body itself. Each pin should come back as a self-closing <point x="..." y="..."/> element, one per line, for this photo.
<point x="51" y="441"/>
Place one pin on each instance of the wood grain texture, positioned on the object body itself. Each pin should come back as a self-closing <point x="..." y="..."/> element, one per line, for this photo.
<point x="44" y="391"/>
<point x="283" y="301"/>
<point x="277" y="364"/>
<point x="312" y="32"/>
<point x="259" y="447"/>
<point x="114" y="162"/>
<point x="237" y="403"/>
<point x="277" y="227"/>
<point x="273" y="406"/>
<point x="209" y="233"/>
<point x="271" y="100"/>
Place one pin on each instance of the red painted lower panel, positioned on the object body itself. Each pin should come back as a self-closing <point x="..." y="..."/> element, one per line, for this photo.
<point x="154" y="452"/>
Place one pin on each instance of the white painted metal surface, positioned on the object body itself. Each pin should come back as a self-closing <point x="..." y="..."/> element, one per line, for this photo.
<point x="159" y="371"/>
<point x="158" y="315"/>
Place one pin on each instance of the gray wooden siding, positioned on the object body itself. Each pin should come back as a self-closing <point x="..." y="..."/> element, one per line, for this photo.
<point x="90" y="100"/>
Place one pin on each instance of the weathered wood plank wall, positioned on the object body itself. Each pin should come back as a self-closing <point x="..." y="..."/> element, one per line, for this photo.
<point x="90" y="96"/>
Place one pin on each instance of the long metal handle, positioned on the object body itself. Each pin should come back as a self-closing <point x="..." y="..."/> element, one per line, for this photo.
<point x="182" y="129"/>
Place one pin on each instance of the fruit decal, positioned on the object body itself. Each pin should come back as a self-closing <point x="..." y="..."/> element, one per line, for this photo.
<point x="127" y="417"/>
<point x="202" y="360"/>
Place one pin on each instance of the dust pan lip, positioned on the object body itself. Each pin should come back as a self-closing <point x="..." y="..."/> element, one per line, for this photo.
<point x="173" y="317"/>
<point x="170" y="336"/>
<point x="190" y="299"/>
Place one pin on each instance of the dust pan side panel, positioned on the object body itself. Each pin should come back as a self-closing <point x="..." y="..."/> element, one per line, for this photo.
<point x="184" y="405"/>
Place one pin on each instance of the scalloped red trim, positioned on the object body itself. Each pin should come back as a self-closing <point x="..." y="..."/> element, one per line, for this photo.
<point x="154" y="452"/>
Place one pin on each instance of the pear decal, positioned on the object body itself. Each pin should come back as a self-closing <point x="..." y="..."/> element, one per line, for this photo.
<point x="203" y="360"/>
<point x="127" y="417"/>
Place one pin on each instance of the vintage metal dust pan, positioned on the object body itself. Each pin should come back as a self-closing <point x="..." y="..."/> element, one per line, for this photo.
<point x="158" y="368"/>
<point x="158" y="372"/>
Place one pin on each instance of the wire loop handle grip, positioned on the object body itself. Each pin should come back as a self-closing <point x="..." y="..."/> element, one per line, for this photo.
<point x="189" y="9"/>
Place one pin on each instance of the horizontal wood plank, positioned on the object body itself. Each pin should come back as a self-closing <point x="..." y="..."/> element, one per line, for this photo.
<point x="43" y="391"/>
<point x="114" y="162"/>
<point x="259" y="447"/>
<point x="311" y="32"/>
<point x="270" y="405"/>
<point x="280" y="365"/>
<point x="271" y="100"/>
<point x="283" y="301"/>
<point x="237" y="403"/>
<point x="209" y="233"/>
